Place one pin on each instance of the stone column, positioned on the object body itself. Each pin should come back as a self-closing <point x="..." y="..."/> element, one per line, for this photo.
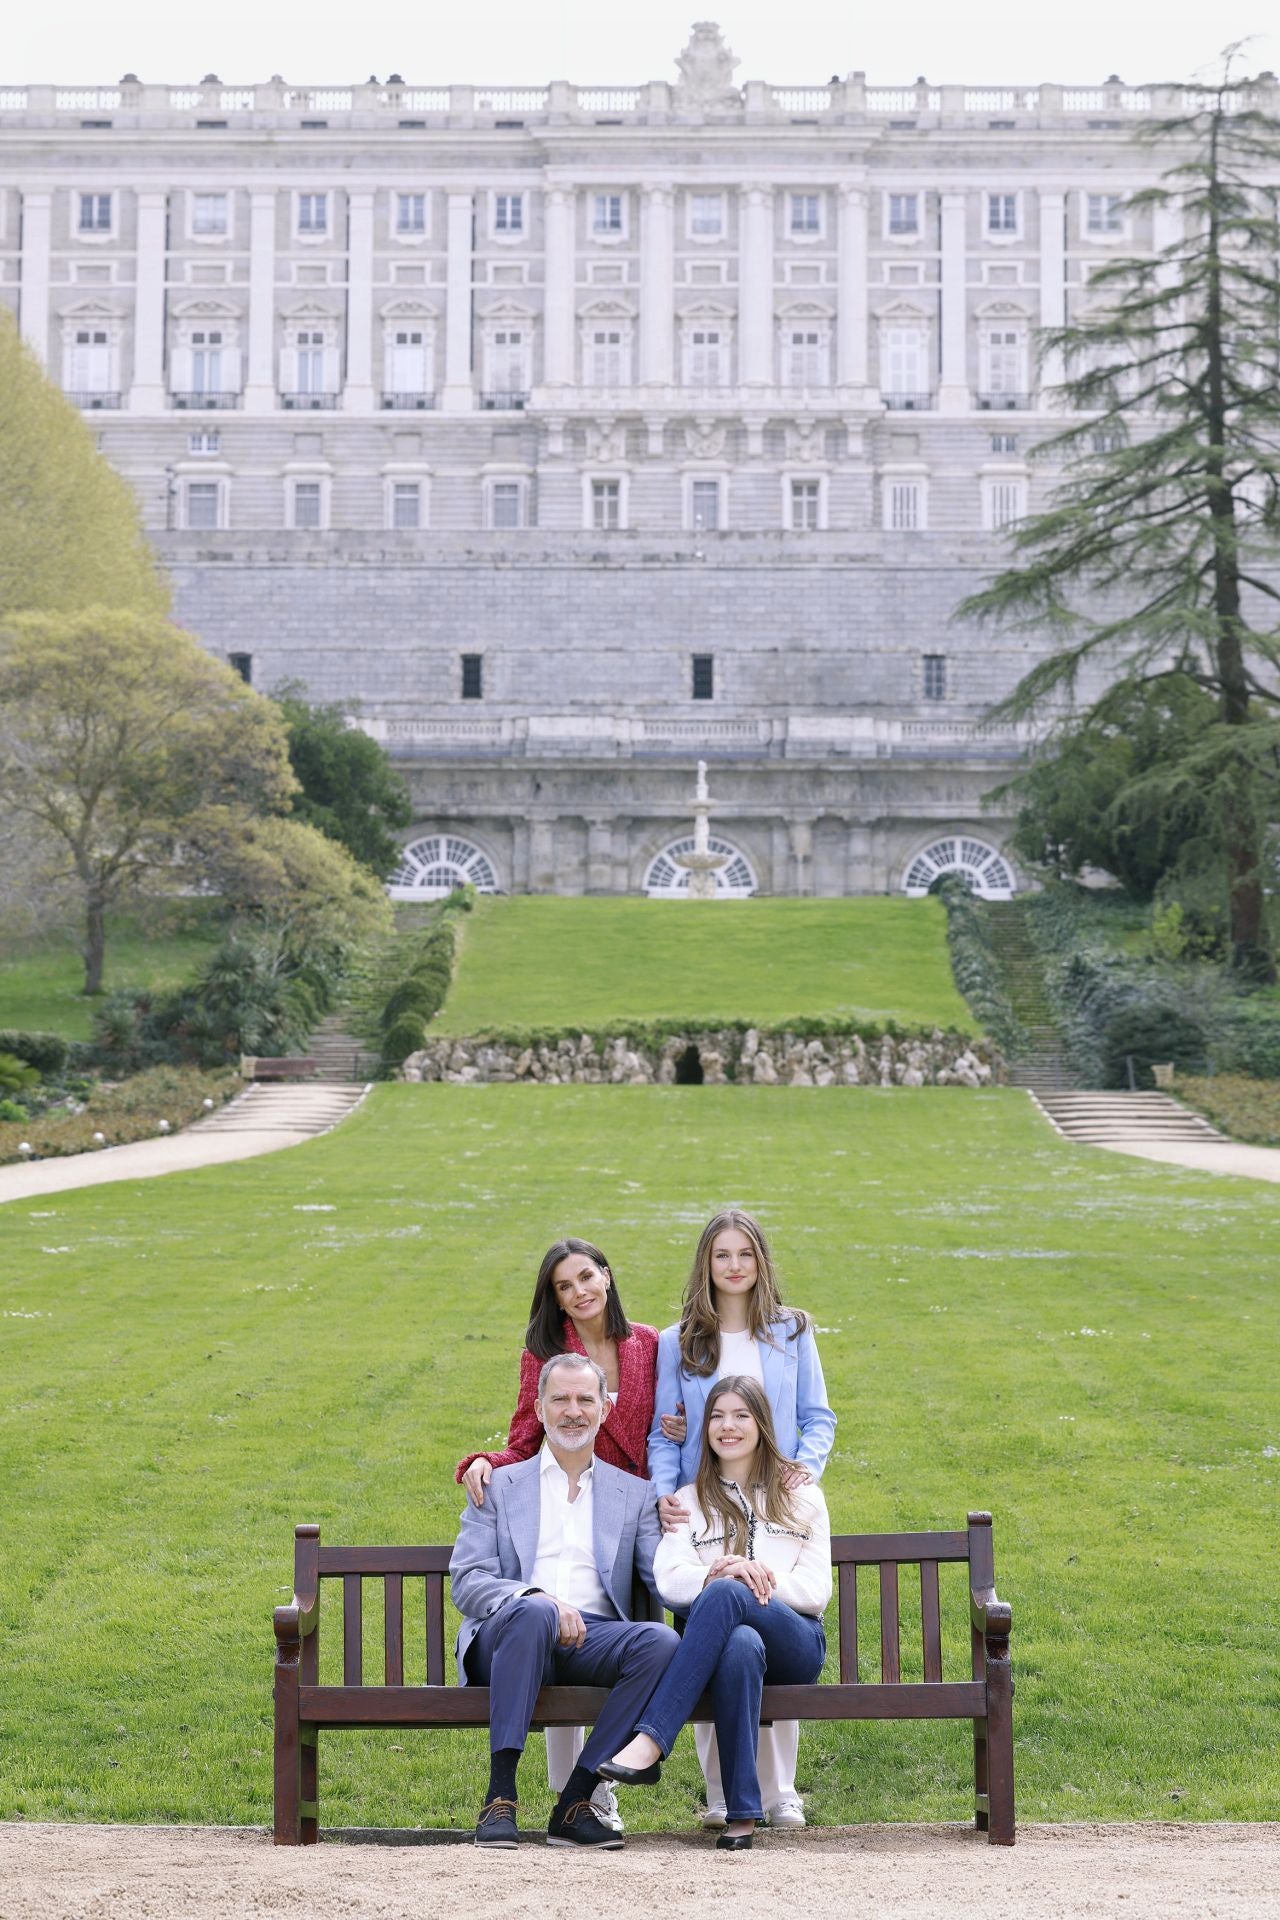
<point x="851" y="297"/>
<point x="802" y="854"/>
<point x="857" y="859"/>
<point x="621" y="854"/>
<point x="558" y="302"/>
<point x="755" y="291"/>
<point x="600" y="853"/>
<point x="33" y="294"/>
<point x="779" y="859"/>
<point x="147" y="392"/>
<point x="542" y="855"/>
<point x="657" y="286"/>
<point x="1053" y="281"/>
<point x="520" y="856"/>
<point x="357" y="396"/>
<point x="260" y="372"/>
<point x="953" y="392"/>
<point x="457" y="396"/>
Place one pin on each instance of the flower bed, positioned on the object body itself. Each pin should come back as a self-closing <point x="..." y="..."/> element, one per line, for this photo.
<point x="1246" y="1108"/>
<point x="122" y="1111"/>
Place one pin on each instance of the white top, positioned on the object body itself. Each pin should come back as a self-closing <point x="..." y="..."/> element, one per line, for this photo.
<point x="566" y="1563"/>
<point x="740" y="1354"/>
<point x="800" y="1555"/>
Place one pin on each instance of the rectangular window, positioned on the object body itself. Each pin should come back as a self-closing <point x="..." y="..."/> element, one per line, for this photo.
<point x="242" y="663"/>
<point x="1103" y="213"/>
<point x="606" y="213"/>
<point x="95" y="213"/>
<point x="473" y="676"/>
<point x="206" y="360"/>
<point x="313" y="213"/>
<point x="606" y="505"/>
<point x="708" y="358"/>
<point x="411" y="213"/>
<point x="903" y="506"/>
<point x="406" y="505"/>
<point x="706" y="215"/>
<point x="505" y="504"/>
<point x="704" y="505"/>
<point x="202" y="505"/>
<point x="935" y="676"/>
<point x="209" y="214"/>
<point x="306" y="504"/>
<point x="606" y="357"/>
<point x="408" y="360"/>
<point x="208" y="440"/>
<point x="806" y="213"/>
<point x="904" y="213"/>
<point x="1002" y="213"/>
<point x="91" y="361"/>
<point x="310" y="361"/>
<point x="803" y="358"/>
<point x="1004" y="443"/>
<point x="1003" y="359"/>
<point x="1004" y="503"/>
<point x="508" y="213"/>
<point x="904" y="351"/>
<point x="508" y="362"/>
<point x="805" y="500"/>
<point x="704" y="676"/>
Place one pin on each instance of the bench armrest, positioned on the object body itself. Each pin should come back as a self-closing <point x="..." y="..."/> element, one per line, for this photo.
<point x="296" y="1622"/>
<point x="991" y="1616"/>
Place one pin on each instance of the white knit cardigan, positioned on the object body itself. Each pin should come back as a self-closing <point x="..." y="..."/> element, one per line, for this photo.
<point x="800" y="1556"/>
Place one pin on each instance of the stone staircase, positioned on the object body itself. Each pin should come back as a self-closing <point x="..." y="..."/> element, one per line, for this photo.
<point x="1114" y="1119"/>
<point x="1040" y="1063"/>
<point x="340" y="1055"/>
<point x="298" y="1107"/>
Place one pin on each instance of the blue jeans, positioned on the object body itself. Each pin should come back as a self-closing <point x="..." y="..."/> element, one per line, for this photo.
<point x="734" y="1644"/>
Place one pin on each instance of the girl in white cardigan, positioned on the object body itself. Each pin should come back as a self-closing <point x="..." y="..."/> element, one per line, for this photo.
<point x="751" y="1567"/>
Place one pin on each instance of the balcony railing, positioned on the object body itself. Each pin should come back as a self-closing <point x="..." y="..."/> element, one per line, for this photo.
<point x="506" y="402"/>
<point x="908" y="402"/>
<point x="1004" y="402"/>
<point x="409" y="402"/>
<point x="95" y="401"/>
<point x="309" y="402"/>
<point x="204" y="402"/>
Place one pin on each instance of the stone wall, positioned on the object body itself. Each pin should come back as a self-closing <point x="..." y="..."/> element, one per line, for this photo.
<point x="724" y="1055"/>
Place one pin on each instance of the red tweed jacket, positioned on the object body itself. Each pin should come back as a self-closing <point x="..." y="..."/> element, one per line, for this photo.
<point x="623" y="1439"/>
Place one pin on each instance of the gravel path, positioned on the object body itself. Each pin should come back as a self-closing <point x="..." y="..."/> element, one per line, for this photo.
<point x="1147" y="1872"/>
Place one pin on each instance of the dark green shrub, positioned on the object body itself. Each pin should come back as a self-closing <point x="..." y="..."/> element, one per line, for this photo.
<point x="1251" y="1042"/>
<point x="1147" y="1032"/>
<point x="16" y="1075"/>
<point x="46" y="1052"/>
<point x="413" y="995"/>
<point x="407" y="1035"/>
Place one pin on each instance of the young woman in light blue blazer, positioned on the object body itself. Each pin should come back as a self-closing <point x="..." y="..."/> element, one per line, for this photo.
<point x="733" y="1322"/>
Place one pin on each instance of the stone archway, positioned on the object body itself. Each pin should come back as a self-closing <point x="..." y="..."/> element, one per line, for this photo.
<point x="431" y="867"/>
<point x="982" y="866"/>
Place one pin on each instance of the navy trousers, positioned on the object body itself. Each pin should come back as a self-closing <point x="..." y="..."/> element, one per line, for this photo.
<point x="733" y="1644"/>
<point x="517" y="1651"/>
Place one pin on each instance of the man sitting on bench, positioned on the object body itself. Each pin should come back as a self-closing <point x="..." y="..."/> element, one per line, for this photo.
<point x="542" y="1574"/>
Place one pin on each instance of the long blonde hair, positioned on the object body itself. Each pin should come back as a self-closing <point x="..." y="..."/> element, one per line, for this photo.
<point x="770" y="1498"/>
<point x="699" y="1321"/>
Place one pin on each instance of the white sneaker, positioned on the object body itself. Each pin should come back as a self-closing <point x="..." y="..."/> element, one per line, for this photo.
<point x="715" y="1814"/>
<point x="604" y="1805"/>
<point x="788" y="1812"/>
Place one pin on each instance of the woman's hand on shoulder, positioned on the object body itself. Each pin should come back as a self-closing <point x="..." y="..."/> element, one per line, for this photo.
<point x="672" y="1512"/>
<point x="476" y="1479"/>
<point x="675" y="1426"/>
<point x="796" y="1476"/>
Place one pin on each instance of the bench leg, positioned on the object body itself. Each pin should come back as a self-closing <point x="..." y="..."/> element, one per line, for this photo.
<point x="980" y="1775"/>
<point x="308" y="1773"/>
<point x="1000" y="1822"/>
<point x="287" y="1769"/>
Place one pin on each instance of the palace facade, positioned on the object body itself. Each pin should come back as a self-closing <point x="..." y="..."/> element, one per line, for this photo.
<point x="565" y="435"/>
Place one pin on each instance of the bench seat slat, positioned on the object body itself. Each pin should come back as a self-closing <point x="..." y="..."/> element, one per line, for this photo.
<point x="578" y="1706"/>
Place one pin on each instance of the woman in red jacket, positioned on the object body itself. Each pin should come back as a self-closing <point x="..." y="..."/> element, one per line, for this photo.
<point x="576" y="1309"/>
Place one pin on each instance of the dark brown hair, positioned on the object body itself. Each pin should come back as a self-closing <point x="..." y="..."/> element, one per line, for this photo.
<point x="544" y="1335"/>
<point x="767" y="1494"/>
<point x="699" y="1322"/>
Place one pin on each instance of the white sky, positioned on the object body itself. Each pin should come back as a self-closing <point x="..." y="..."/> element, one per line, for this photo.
<point x="503" y="42"/>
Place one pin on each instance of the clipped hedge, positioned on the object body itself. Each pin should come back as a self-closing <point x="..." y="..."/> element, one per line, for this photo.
<point x="126" y="1111"/>
<point x="46" y="1052"/>
<point x="974" y="966"/>
<point x="419" y="995"/>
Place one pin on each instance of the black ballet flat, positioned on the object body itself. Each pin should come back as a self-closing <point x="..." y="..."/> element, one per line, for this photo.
<point x="631" y="1776"/>
<point x="734" y="1843"/>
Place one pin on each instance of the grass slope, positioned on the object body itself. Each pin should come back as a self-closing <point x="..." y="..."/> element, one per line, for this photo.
<point x="538" y="962"/>
<point x="40" y="986"/>
<point x="1082" y="1342"/>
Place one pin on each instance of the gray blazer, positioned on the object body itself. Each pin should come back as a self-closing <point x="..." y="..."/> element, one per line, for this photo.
<point x="492" y="1561"/>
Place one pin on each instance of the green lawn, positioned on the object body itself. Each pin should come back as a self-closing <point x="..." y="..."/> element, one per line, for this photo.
<point x="536" y="962"/>
<point x="1084" y="1343"/>
<point x="40" y="985"/>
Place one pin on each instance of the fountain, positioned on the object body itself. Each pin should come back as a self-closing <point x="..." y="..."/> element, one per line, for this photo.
<point x="702" y="865"/>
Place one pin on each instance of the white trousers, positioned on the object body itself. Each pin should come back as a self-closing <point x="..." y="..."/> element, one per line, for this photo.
<point x="564" y="1744"/>
<point x="776" y="1753"/>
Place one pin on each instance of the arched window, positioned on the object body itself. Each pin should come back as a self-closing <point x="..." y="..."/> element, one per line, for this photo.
<point x="985" y="871"/>
<point x="432" y="867"/>
<point x="667" y="880"/>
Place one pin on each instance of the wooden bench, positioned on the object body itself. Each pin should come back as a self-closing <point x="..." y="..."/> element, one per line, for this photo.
<point x="300" y="1066"/>
<point x="303" y="1706"/>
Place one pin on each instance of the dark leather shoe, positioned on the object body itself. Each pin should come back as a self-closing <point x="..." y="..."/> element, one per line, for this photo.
<point x="631" y="1776"/>
<point x="576" y="1826"/>
<point x="496" y="1826"/>
<point x="734" y="1843"/>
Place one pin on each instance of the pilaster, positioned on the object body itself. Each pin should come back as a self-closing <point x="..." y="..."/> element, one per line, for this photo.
<point x="953" y="390"/>
<point x="558" y="220"/>
<point x="755" y="296"/>
<point x="260" y="374"/>
<point x="33" y="296"/>
<point x="657" y="286"/>
<point x="458" y="396"/>
<point x="147" y="392"/>
<point x="851" y="272"/>
<point x="357" y="393"/>
<point x="1053" y="281"/>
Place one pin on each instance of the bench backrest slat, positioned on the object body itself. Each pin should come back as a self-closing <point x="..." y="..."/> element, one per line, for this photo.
<point x="890" y="1626"/>
<point x="435" y="1629"/>
<point x="871" y="1549"/>
<point x="352" y="1631"/>
<point x="393" y="1628"/>
<point x="847" y="1601"/>
<point x="931" y="1620"/>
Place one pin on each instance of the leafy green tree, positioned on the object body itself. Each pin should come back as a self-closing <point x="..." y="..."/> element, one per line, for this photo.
<point x="70" y="536"/>
<point x="349" y="789"/>
<point x="1152" y="554"/>
<point x="129" y="749"/>
<point x="284" y="872"/>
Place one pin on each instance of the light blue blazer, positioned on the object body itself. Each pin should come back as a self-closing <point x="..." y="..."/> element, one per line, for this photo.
<point x="806" y="1426"/>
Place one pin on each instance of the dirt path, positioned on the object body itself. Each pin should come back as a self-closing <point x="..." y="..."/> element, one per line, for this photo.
<point x="1206" y="1872"/>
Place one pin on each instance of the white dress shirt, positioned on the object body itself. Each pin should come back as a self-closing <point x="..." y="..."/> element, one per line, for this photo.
<point x="566" y="1563"/>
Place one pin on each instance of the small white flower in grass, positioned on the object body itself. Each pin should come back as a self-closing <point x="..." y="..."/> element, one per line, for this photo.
<point x="1271" y="1453"/>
